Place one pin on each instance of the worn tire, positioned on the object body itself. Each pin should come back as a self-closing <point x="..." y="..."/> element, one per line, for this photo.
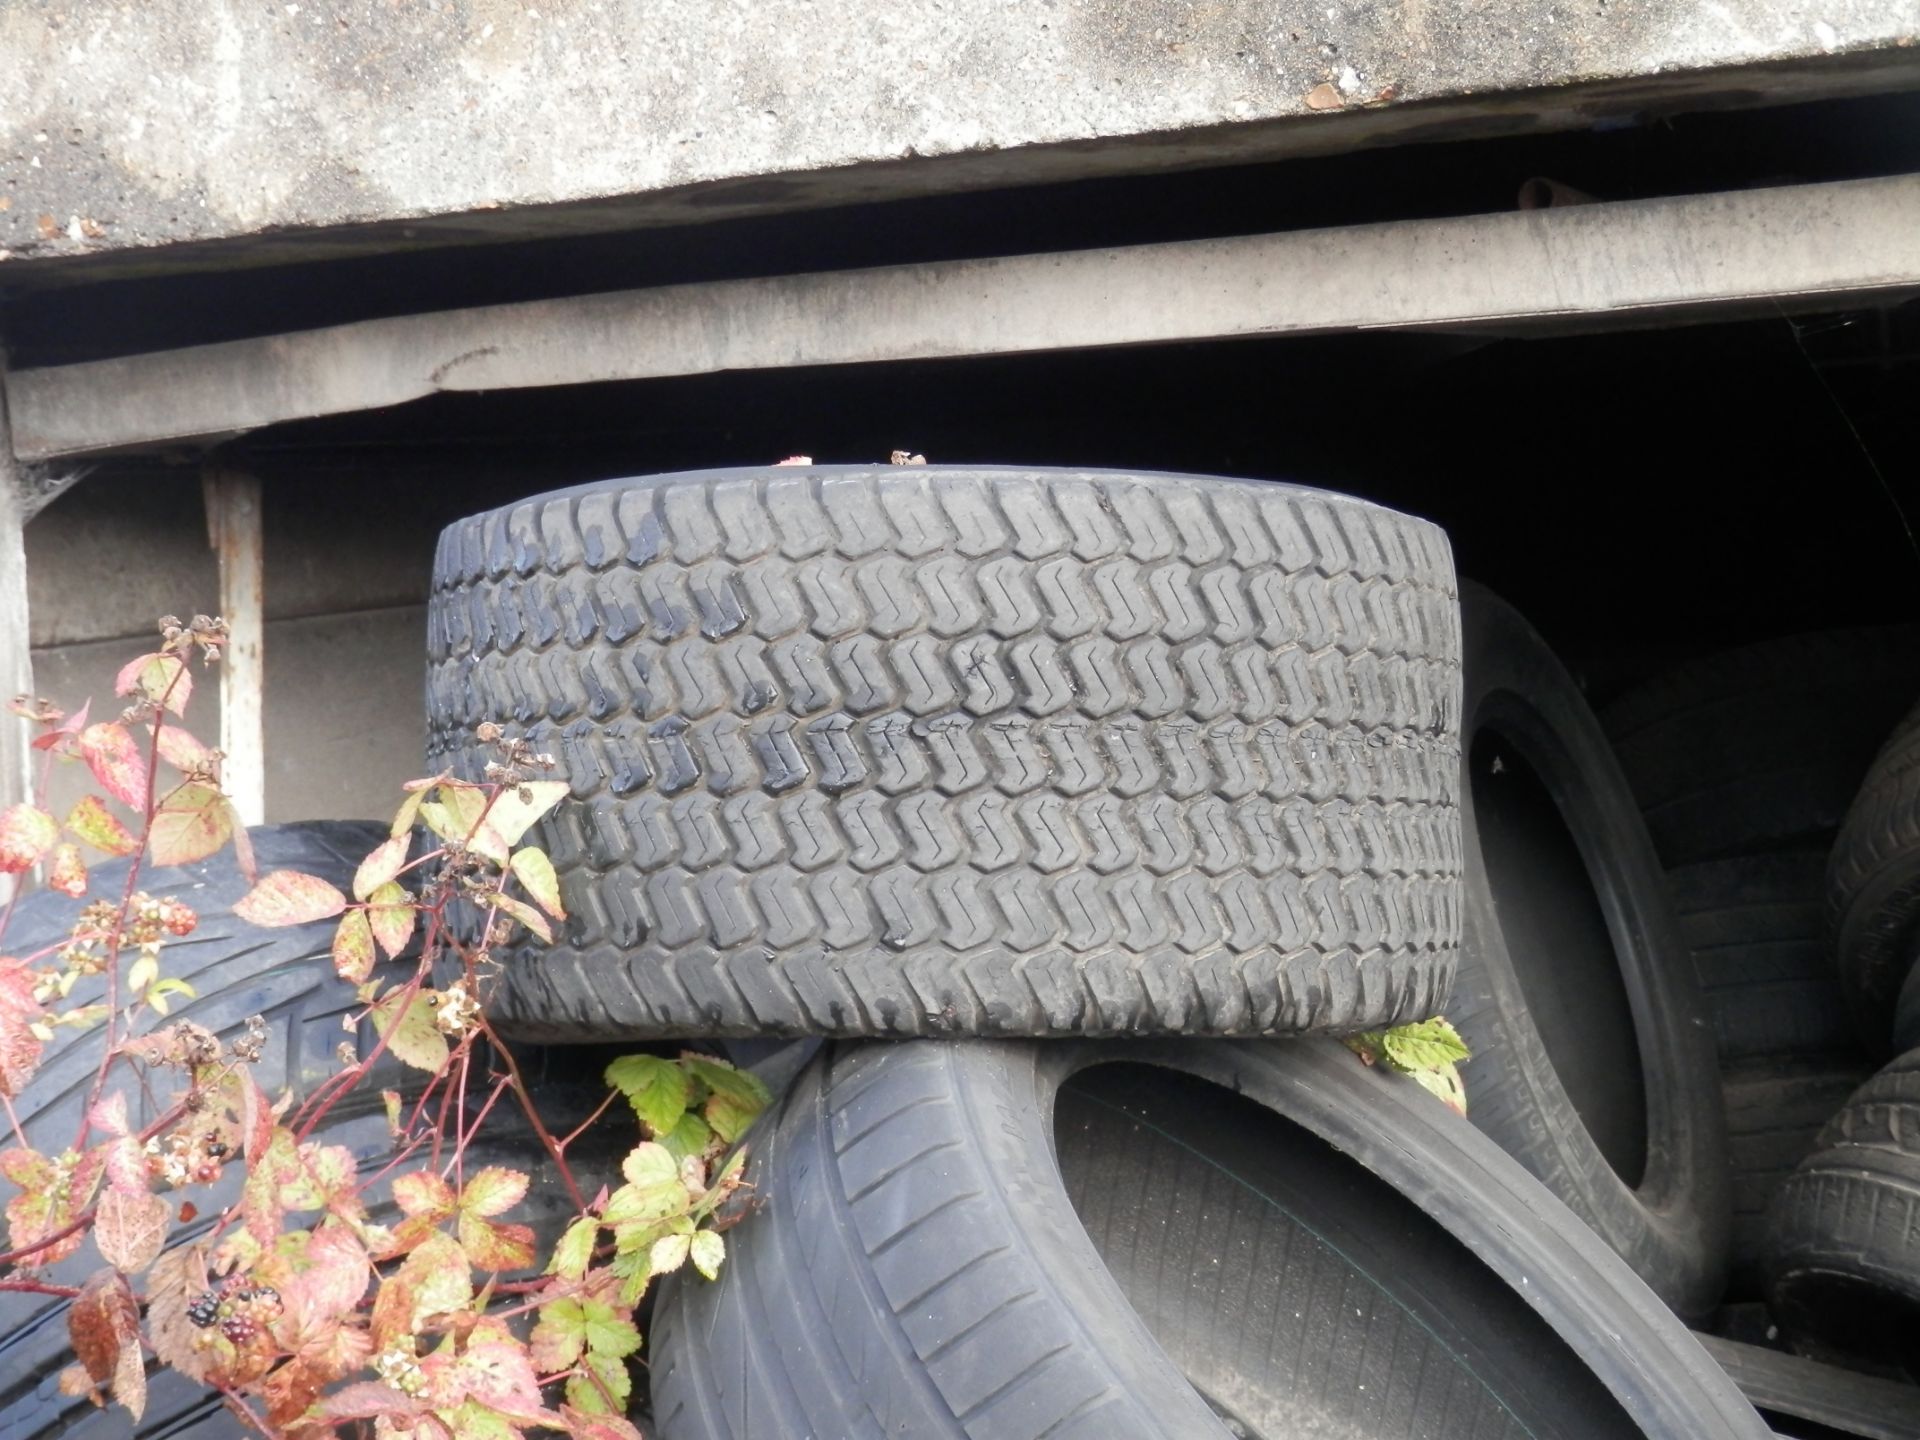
<point x="1593" y="1062"/>
<point x="1757" y="928"/>
<point x="1776" y="1109"/>
<point x="1873" y="886"/>
<point x="1843" y="1237"/>
<point x="1762" y="747"/>
<point x="942" y="1254"/>
<point x="286" y="977"/>
<point x="919" y="750"/>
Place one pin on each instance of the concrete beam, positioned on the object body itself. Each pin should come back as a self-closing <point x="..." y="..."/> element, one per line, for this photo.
<point x="1581" y="267"/>
<point x="329" y="127"/>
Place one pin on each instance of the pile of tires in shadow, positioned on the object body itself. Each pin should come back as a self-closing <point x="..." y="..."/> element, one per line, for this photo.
<point x="1037" y="834"/>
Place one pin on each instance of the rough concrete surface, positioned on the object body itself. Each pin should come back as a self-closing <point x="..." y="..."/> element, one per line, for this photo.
<point x="145" y="123"/>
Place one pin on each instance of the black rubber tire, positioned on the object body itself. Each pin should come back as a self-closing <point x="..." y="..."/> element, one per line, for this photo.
<point x="1873" y="886"/>
<point x="1843" y="1235"/>
<point x="1593" y="1063"/>
<point x="920" y="1267"/>
<point x="1776" y="1109"/>
<point x="1906" y="1012"/>
<point x="907" y="751"/>
<point x="1762" y="747"/>
<point x="1757" y="928"/>
<point x="286" y="976"/>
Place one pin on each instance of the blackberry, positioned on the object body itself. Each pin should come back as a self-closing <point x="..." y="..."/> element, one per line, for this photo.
<point x="239" y="1329"/>
<point x="205" y="1309"/>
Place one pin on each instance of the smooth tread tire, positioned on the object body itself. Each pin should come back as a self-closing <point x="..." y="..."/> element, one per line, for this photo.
<point x="1873" y="889"/>
<point x="1776" y="1109"/>
<point x="285" y="976"/>
<point x="1762" y="747"/>
<point x="1593" y="1061"/>
<point x="1757" y="928"/>
<point x="1020" y="1240"/>
<point x="918" y="750"/>
<point x="1843" y="1235"/>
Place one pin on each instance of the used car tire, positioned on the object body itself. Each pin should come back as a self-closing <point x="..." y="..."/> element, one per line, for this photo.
<point x="917" y="750"/>
<point x="933" y="1261"/>
<point x="1873" y="886"/>
<point x="285" y="976"/>
<point x="1843" y="1238"/>
<point x="1762" y="747"/>
<point x="1757" y="928"/>
<point x="1593" y="1062"/>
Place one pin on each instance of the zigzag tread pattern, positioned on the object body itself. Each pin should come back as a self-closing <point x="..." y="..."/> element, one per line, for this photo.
<point x="923" y="751"/>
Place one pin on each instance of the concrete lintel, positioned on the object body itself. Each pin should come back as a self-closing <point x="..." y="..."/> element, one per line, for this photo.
<point x="1582" y="267"/>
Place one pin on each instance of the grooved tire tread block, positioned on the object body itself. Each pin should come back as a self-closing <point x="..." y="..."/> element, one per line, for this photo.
<point x="1757" y="927"/>
<point x="1673" y="1223"/>
<point x="1873" y="885"/>
<point x="919" y="1268"/>
<point x="1762" y="747"/>
<point x="922" y="750"/>
<point x="1843" y="1234"/>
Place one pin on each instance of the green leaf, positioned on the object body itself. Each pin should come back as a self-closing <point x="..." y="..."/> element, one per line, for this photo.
<point x="1424" y="1045"/>
<point x="657" y="1089"/>
<point x="457" y="817"/>
<point x="391" y="914"/>
<point x="723" y="1079"/>
<point x="669" y="1253"/>
<point x="574" y="1251"/>
<point x="410" y="1032"/>
<point x="535" y="871"/>
<point x="729" y="1116"/>
<point x="493" y="1190"/>
<point x="607" y="1333"/>
<point x="353" y="947"/>
<point x="690" y="1136"/>
<point x="1445" y="1082"/>
<point x="560" y="1336"/>
<point x="516" y="807"/>
<point x="94" y="823"/>
<point x="649" y="1164"/>
<point x="645" y="1204"/>
<point x="611" y="1372"/>
<point x="708" y="1250"/>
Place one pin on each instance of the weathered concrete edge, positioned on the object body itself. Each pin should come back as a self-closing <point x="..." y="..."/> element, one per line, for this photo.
<point x="1581" y="267"/>
<point x="1881" y="69"/>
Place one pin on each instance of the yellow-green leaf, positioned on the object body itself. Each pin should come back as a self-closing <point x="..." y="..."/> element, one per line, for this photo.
<point x="409" y="1029"/>
<point x="390" y="912"/>
<point x="707" y="1250"/>
<point x="286" y="897"/>
<point x="97" y="826"/>
<point x="162" y="679"/>
<point x="381" y="865"/>
<point x="353" y="947"/>
<point x="535" y="871"/>
<point x="193" y="822"/>
<point x="516" y="807"/>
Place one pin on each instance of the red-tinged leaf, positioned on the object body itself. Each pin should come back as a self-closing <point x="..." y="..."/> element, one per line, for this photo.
<point x="256" y="1117"/>
<point x="94" y="823"/>
<point x="286" y="897"/>
<point x="26" y="833"/>
<point x="493" y="1190"/>
<point x="116" y="762"/>
<point x="162" y="679"/>
<point x="60" y="738"/>
<point x="409" y="1028"/>
<point x="337" y="1274"/>
<point x="496" y="1247"/>
<point x="369" y="1400"/>
<point x="535" y="871"/>
<point x="66" y="871"/>
<point x="243" y="852"/>
<point x="353" y="955"/>
<point x="193" y="822"/>
<point x="74" y="1382"/>
<point x="516" y="807"/>
<point x="336" y="1348"/>
<point x="497" y="1371"/>
<point x="103" y="1319"/>
<point x="526" y="915"/>
<point x="290" y="1392"/>
<point x="381" y="866"/>
<point x="28" y="1169"/>
<point x="391" y="914"/>
<point x="109" y="1113"/>
<point x="423" y="1194"/>
<point x="20" y="1048"/>
<point x="582" y="1426"/>
<point x="437" y="1279"/>
<point x="125" y="1163"/>
<point x="173" y="1283"/>
<point x="130" y="1377"/>
<point x="130" y="1229"/>
<point x="184" y="751"/>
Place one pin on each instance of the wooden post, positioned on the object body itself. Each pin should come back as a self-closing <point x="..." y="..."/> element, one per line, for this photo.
<point x="234" y="531"/>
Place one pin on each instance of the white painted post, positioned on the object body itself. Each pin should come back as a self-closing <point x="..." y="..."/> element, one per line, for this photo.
<point x="16" y="636"/>
<point x="234" y="530"/>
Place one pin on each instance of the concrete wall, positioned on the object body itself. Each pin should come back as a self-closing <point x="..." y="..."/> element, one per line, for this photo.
<point x="125" y="127"/>
<point x="346" y="573"/>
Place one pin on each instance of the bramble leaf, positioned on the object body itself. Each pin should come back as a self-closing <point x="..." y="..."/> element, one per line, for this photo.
<point x="582" y="1426"/>
<point x="707" y="1250"/>
<point x="193" y="822"/>
<point x="26" y="833"/>
<point x="385" y="862"/>
<point x="161" y="679"/>
<point x="493" y="1190"/>
<point x="116" y="762"/>
<point x="574" y="1251"/>
<point x="184" y="751"/>
<point x="649" y="1164"/>
<point x="690" y="1136"/>
<point x="1445" y="1082"/>
<point x="669" y="1253"/>
<point x="94" y="823"/>
<point x="103" y="1322"/>
<point x="526" y="915"/>
<point x="286" y="897"/>
<point x="130" y="1229"/>
<point x="174" y="1281"/>
<point x="66" y="871"/>
<point x="1424" y="1045"/>
<point x="390" y="913"/>
<point x="458" y="816"/>
<point x="353" y="955"/>
<point x="409" y="1029"/>
<point x="516" y="807"/>
<point x="535" y="871"/>
<point x="657" y="1089"/>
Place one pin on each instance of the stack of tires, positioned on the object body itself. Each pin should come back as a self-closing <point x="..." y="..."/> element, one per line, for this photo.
<point x="1105" y="793"/>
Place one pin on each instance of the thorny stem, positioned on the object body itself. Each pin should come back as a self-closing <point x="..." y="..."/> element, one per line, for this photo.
<point x="38" y="1287"/>
<point x="525" y="1097"/>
